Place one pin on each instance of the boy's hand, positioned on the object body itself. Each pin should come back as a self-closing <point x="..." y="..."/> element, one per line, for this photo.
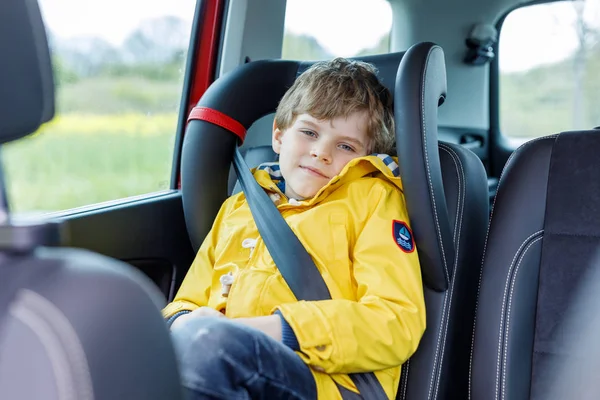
<point x="197" y="313"/>
<point x="269" y="325"/>
<point x="204" y="312"/>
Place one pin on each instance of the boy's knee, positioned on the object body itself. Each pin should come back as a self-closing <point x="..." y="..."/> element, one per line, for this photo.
<point x="213" y="353"/>
<point x="210" y="340"/>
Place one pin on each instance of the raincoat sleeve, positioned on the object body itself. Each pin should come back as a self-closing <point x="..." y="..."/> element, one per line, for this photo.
<point x="383" y="327"/>
<point x="195" y="288"/>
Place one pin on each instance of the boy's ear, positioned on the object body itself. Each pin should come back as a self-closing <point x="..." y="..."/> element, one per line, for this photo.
<point x="276" y="139"/>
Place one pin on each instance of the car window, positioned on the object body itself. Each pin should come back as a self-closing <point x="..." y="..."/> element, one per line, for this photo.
<point x="119" y="70"/>
<point x="549" y="55"/>
<point x="323" y="29"/>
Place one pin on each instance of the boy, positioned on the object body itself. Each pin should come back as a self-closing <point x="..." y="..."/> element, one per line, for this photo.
<point x="239" y="330"/>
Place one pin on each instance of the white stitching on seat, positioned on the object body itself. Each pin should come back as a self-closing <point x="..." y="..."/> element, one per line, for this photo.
<point x="485" y="250"/>
<point x="59" y="339"/>
<point x="424" y="137"/>
<point x="509" y="274"/>
<point x="404" y="384"/>
<point x="507" y="329"/>
<point x="456" y="161"/>
<point x="460" y="206"/>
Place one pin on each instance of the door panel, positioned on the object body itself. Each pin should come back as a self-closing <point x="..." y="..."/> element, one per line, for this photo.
<point x="161" y="272"/>
<point x="149" y="234"/>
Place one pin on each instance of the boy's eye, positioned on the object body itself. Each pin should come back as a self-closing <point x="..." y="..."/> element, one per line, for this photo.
<point x="345" y="147"/>
<point x="309" y="133"/>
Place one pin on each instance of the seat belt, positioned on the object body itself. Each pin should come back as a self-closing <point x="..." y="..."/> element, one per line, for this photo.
<point x="293" y="261"/>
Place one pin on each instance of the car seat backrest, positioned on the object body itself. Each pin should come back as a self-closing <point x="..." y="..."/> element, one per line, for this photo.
<point x="446" y="192"/>
<point x="77" y="325"/>
<point x="542" y="247"/>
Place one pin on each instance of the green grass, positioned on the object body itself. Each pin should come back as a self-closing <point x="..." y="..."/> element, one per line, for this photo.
<point x="109" y="95"/>
<point x="82" y="160"/>
<point x="112" y="138"/>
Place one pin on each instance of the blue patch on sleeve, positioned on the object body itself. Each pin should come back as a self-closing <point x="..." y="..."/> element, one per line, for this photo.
<point x="403" y="236"/>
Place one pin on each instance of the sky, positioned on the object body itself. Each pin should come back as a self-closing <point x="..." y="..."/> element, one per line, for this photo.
<point x="340" y="36"/>
<point x="550" y="38"/>
<point x="522" y="44"/>
<point x="112" y="20"/>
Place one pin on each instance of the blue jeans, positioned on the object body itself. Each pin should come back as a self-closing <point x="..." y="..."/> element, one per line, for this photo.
<point x="221" y="359"/>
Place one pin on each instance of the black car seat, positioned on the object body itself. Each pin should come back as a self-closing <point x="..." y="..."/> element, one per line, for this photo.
<point x="253" y="91"/>
<point x="447" y="199"/>
<point x="543" y="242"/>
<point x="73" y="324"/>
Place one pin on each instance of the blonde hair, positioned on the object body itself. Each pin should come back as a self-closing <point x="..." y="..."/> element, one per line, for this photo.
<point x="339" y="88"/>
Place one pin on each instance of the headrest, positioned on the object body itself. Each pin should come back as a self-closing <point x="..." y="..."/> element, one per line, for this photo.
<point x="26" y="82"/>
<point x="245" y="95"/>
<point x="420" y="89"/>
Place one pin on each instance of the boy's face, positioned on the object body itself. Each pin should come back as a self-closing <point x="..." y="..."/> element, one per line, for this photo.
<point x="313" y="151"/>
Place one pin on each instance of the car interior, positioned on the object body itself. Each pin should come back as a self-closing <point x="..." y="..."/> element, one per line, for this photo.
<point x="498" y="161"/>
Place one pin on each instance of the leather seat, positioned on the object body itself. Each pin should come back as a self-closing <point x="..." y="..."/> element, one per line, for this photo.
<point x="81" y="326"/>
<point x="542" y="246"/>
<point x="446" y="192"/>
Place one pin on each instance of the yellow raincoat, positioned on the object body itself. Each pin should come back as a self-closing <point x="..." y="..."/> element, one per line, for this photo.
<point x="356" y="230"/>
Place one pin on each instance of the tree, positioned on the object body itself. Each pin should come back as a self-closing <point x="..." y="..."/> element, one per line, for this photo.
<point x="586" y="38"/>
<point x="85" y="56"/>
<point x="157" y="41"/>
<point x="62" y="74"/>
<point x="302" y="47"/>
<point x="382" y="47"/>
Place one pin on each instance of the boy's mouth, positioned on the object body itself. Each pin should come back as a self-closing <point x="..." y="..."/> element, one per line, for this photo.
<point x="314" y="172"/>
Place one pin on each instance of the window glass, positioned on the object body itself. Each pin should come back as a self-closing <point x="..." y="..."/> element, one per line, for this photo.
<point x="323" y="29"/>
<point x="549" y="60"/>
<point x="119" y="70"/>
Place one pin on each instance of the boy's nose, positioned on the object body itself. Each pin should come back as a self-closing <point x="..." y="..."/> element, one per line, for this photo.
<point x="322" y="154"/>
